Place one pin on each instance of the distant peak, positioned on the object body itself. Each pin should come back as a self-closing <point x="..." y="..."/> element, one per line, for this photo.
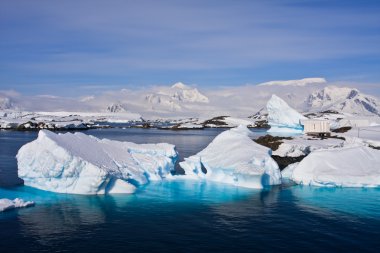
<point x="300" y="82"/>
<point x="180" y="85"/>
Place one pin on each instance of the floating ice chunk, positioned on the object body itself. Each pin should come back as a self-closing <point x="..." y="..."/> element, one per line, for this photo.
<point x="82" y="164"/>
<point x="353" y="166"/>
<point x="7" y="204"/>
<point x="283" y="118"/>
<point x="233" y="158"/>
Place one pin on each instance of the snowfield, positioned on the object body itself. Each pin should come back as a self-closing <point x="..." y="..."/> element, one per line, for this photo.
<point x="351" y="166"/>
<point x="369" y="135"/>
<point x="82" y="164"/>
<point x="7" y="204"/>
<point x="302" y="145"/>
<point x="61" y="120"/>
<point x="233" y="158"/>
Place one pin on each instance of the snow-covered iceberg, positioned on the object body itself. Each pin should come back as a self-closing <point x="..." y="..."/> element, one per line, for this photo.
<point x="83" y="164"/>
<point x="353" y="166"/>
<point x="7" y="204"/>
<point x="234" y="158"/>
<point x="283" y="118"/>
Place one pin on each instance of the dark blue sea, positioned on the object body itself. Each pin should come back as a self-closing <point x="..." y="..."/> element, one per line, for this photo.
<point x="185" y="216"/>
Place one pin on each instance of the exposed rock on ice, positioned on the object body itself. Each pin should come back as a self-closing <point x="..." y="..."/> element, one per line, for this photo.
<point x="233" y="158"/>
<point x="283" y="118"/>
<point x="302" y="145"/>
<point x="7" y="204"/>
<point x="352" y="166"/>
<point x="82" y="164"/>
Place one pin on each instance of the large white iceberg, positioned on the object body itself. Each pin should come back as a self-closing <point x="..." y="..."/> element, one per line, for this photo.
<point x="283" y="118"/>
<point x="7" y="204"/>
<point x="353" y="166"/>
<point x="83" y="164"/>
<point x="234" y="158"/>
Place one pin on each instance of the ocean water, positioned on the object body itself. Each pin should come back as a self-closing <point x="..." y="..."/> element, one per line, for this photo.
<point x="185" y="216"/>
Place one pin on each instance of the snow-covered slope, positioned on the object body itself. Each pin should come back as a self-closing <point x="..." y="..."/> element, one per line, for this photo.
<point x="352" y="166"/>
<point x="82" y="164"/>
<point x="344" y="100"/>
<point x="233" y="158"/>
<point x="283" y="118"/>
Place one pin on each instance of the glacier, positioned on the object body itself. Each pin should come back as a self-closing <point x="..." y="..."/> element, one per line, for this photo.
<point x="283" y="118"/>
<point x="7" y="204"/>
<point x="82" y="164"/>
<point x="234" y="158"/>
<point x="349" y="166"/>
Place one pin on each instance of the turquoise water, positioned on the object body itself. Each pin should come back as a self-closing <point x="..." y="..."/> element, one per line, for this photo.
<point x="185" y="216"/>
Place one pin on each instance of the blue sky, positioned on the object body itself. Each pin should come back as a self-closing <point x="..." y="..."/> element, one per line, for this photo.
<point x="81" y="47"/>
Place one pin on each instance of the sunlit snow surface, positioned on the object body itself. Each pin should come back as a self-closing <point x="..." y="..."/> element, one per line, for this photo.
<point x="234" y="158"/>
<point x="351" y="166"/>
<point x="83" y="164"/>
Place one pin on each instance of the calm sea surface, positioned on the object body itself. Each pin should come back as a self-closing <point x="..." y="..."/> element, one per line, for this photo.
<point x="185" y="216"/>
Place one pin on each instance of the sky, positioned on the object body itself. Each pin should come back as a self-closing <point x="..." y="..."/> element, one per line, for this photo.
<point x="71" y="48"/>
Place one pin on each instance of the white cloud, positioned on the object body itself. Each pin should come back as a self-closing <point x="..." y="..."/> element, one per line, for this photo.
<point x="301" y="82"/>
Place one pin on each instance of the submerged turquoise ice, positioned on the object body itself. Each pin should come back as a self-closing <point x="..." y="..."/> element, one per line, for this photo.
<point x="187" y="216"/>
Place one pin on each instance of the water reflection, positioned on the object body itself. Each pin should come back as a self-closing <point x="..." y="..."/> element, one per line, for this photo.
<point x="326" y="201"/>
<point x="181" y="190"/>
<point x="62" y="214"/>
<point x="239" y="214"/>
<point x="57" y="215"/>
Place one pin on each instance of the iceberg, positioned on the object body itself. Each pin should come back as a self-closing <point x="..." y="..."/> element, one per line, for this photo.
<point x="283" y="118"/>
<point x="7" y="204"/>
<point x="351" y="166"/>
<point x="82" y="164"/>
<point x="288" y="171"/>
<point x="234" y="158"/>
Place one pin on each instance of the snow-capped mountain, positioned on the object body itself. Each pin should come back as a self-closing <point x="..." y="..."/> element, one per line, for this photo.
<point x="5" y="103"/>
<point x="343" y="99"/>
<point x="116" y="108"/>
<point x="180" y="100"/>
<point x="175" y="97"/>
<point x="185" y="93"/>
<point x="162" y="101"/>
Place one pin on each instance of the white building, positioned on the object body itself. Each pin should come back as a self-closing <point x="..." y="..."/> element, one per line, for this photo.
<point x="316" y="126"/>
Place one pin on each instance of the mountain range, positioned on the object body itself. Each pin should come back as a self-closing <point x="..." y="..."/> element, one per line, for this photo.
<point x="181" y="100"/>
